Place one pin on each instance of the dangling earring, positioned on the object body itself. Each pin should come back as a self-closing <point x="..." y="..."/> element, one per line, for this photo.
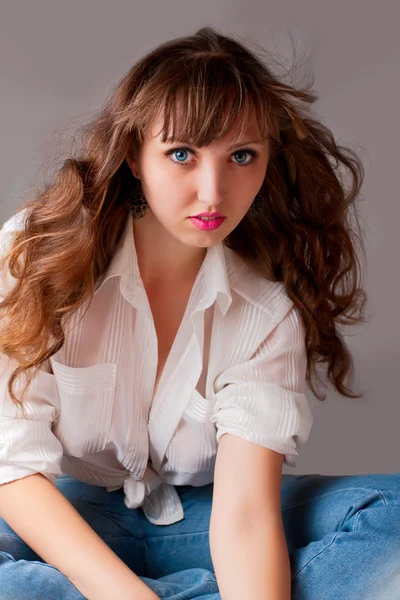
<point x="257" y="206"/>
<point x="136" y="201"/>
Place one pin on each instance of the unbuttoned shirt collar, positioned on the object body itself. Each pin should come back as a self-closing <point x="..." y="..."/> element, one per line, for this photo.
<point x="124" y="263"/>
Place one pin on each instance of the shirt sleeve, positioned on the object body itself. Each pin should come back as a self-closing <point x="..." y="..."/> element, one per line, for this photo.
<point x="27" y="445"/>
<point x="262" y="400"/>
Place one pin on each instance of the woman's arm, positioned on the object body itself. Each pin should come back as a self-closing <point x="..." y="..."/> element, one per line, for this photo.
<point x="39" y="513"/>
<point x="247" y="537"/>
<point x="251" y="562"/>
<point x="261" y="414"/>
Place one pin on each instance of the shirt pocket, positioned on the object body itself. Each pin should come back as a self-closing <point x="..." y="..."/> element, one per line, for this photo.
<point x="199" y="408"/>
<point x="87" y="396"/>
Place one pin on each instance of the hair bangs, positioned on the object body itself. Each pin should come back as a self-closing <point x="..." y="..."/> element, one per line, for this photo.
<point x="206" y="104"/>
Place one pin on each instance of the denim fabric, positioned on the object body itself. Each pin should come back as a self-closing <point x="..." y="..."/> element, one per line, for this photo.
<point x="342" y="532"/>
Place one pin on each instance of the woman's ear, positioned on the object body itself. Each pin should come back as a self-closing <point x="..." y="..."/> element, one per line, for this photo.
<point x="131" y="159"/>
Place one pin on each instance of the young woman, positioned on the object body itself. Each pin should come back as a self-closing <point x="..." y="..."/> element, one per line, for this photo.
<point x="165" y="299"/>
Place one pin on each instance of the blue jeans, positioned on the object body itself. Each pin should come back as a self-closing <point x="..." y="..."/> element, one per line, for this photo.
<point x="342" y="532"/>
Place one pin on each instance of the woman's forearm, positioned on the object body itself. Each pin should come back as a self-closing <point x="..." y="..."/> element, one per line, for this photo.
<point x="251" y="562"/>
<point x="39" y="513"/>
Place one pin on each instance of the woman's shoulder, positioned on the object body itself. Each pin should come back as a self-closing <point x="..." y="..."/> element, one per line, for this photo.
<point x="258" y="288"/>
<point x="16" y="222"/>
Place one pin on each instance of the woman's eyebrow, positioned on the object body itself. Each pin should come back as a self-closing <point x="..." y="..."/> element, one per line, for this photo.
<point x="244" y="143"/>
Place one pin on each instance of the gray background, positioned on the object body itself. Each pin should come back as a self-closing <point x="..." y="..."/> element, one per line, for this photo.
<point x="59" y="61"/>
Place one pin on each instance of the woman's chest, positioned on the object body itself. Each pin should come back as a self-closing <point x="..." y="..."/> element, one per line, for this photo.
<point x="168" y="312"/>
<point x="113" y="399"/>
<point x="127" y="377"/>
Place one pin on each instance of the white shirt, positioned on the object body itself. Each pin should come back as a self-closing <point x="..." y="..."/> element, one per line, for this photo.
<point x="237" y="365"/>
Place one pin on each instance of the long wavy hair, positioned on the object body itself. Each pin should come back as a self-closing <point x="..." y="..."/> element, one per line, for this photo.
<point x="304" y="236"/>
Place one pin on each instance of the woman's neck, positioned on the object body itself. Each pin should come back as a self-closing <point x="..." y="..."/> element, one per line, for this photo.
<point x="162" y="259"/>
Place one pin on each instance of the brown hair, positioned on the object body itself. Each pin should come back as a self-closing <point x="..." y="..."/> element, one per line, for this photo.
<point x="202" y="84"/>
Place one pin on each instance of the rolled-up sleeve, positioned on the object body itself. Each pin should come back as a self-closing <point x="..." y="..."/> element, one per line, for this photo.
<point x="27" y="445"/>
<point x="263" y="399"/>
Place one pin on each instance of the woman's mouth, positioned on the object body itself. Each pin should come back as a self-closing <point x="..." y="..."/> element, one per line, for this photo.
<point x="207" y="223"/>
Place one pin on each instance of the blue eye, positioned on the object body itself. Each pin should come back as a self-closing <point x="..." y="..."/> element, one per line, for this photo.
<point x="242" y="152"/>
<point x="184" y="151"/>
<point x="180" y="151"/>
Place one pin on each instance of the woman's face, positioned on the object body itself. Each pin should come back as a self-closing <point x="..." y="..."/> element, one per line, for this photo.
<point x="181" y="181"/>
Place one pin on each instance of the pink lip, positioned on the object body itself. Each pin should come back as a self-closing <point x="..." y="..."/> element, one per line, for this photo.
<point x="208" y="214"/>
<point x="207" y="225"/>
